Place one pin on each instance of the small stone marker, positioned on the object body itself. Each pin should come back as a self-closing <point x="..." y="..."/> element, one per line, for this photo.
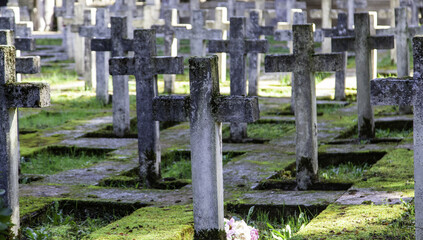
<point x="340" y="30"/>
<point x="14" y="95"/>
<point x="145" y="65"/>
<point x="402" y="33"/>
<point x="220" y="22"/>
<point x="408" y="91"/>
<point x="119" y="45"/>
<point x="206" y="110"/>
<point x="237" y="47"/>
<point x="170" y="43"/>
<point x="255" y="31"/>
<point x="67" y="12"/>
<point x="304" y="63"/>
<point x="198" y="34"/>
<point x="100" y="73"/>
<point x="362" y="44"/>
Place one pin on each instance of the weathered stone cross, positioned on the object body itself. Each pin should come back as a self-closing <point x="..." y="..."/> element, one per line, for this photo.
<point x="220" y="22"/>
<point x="118" y="44"/>
<point x="255" y="31"/>
<point x="98" y="72"/>
<point x="341" y="29"/>
<point x="402" y="33"/>
<point x="67" y="12"/>
<point x="237" y="47"/>
<point x="283" y="9"/>
<point x="145" y="65"/>
<point x="20" y="43"/>
<point x="14" y="95"/>
<point x="408" y="91"/>
<point x="362" y="44"/>
<point x="198" y="34"/>
<point x="206" y="110"/>
<point x="170" y="43"/>
<point x="303" y="63"/>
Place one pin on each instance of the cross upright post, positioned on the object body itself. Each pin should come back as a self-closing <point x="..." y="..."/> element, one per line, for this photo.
<point x="238" y="46"/>
<point x="14" y="95"/>
<point x="118" y="45"/>
<point x="89" y="66"/>
<point x="99" y="72"/>
<point x="220" y="22"/>
<point x="362" y="43"/>
<point x="206" y="110"/>
<point x="304" y="63"/>
<point x="198" y="34"/>
<point x="67" y="12"/>
<point x="170" y="43"/>
<point x="255" y="31"/>
<point x="408" y="91"/>
<point x="145" y="65"/>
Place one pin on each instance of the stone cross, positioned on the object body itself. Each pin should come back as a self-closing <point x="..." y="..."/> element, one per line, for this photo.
<point x="118" y="45"/>
<point x="340" y="30"/>
<point x="283" y="9"/>
<point x="220" y="22"/>
<point x="304" y="63"/>
<point x="198" y="34"/>
<point x="124" y="8"/>
<point x="408" y="91"/>
<point x="255" y="31"/>
<point x="99" y="71"/>
<point x="238" y="46"/>
<point x="363" y="43"/>
<point x="145" y="65"/>
<point x="89" y="66"/>
<point x="206" y="109"/>
<point x="67" y="12"/>
<point x="402" y="33"/>
<point x="14" y="95"/>
<point x="170" y="43"/>
<point x="20" y="42"/>
<point x="411" y="4"/>
<point x="351" y="5"/>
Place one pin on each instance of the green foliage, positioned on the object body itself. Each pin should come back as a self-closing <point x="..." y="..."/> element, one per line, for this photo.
<point x="343" y="172"/>
<point x="5" y="218"/>
<point x="320" y="76"/>
<point x="264" y="130"/>
<point x="388" y="133"/>
<point x="48" y="41"/>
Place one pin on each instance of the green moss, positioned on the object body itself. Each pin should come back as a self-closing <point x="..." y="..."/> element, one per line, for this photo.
<point x="357" y="222"/>
<point x="34" y="142"/>
<point x="394" y="172"/>
<point x="264" y="131"/>
<point x="29" y="204"/>
<point x="56" y="42"/>
<point x="167" y="223"/>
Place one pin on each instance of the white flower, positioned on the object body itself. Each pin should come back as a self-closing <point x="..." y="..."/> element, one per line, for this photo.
<point x="239" y="230"/>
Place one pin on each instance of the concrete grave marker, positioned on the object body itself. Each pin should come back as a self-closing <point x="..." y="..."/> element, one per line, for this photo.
<point x="408" y="91"/>
<point x="362" y="43"/>
<point x="89" y="66"/>
<point x="67" y="12"/>
<point x="402" y="33"/>
<point x="170" y="43"/>
<point x="99" y="73"/>
<point x="206" y="110"/>
<point x="198" y="34"/>
<point x="145" y="65"/>
<point x="304" y="63"/>
<point x="118" y="45"/>
<point x="14" y="95"/>
<point x="351" y="6"/>
<point x="255" y="31"/>
<point x="283" y="9"/>
<point x="220" y="22"/>
<point x="238" y="46"/>
<point x="340" y="30"/>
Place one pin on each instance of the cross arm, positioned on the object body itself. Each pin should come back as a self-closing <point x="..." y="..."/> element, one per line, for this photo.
<point x="213" y="34"/>
<point x="171" y="108"/>
<point x="218" y="46"/>
<point x="27" y="95"/>
<point x="169" y="65"/>
<point x="122" y="66"/>
<point x="343" y="44"/>
<point x="237" y="109"/>
<point x="279" y="63"/>
<point x="28" y="65"/>
<point x="266" y="30"/>
<point x="256" y="46"/>
<point x="330" y="62"/>
<point x="283" y="35"/>
<point x="392" y="91"/>
<point x="381" y="42"/>
<point x="182" y="33"/>
<point x="101" y="44"/>
<point x="413" y="31"/>
<point x="25" y="44"/>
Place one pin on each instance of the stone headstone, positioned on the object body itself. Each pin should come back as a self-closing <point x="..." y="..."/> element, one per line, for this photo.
<point x="14" y="95"/>
<point x="238" y="46"/>
<point x="362" y="43"/>
<point x="255" y="31"/>
<point x="145" y="65"/>
<point x="118" y="44"/>
<point x="408" y="91"/>
<point x="304" y="63"/>
<point x="206" y="110"/>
